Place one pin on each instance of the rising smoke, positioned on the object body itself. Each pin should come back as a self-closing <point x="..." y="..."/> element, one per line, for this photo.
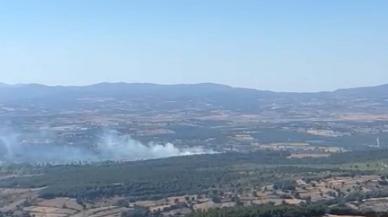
<point x="111" y="147"/>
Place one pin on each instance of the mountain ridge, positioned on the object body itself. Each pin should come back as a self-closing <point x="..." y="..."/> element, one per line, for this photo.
<point x="204" y="84"/>
<point x="201" y="96"/>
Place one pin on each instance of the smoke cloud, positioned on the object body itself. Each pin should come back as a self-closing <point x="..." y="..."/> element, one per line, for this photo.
<point x="112" y="147"/>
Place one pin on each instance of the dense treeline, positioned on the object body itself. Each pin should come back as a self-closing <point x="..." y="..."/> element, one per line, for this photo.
<point x="349" y="157"/>
<point x="265" y="211"/>
<point x="180" y="175"/>
<point x="307" y="210"/>
<point x="150" y="182"/>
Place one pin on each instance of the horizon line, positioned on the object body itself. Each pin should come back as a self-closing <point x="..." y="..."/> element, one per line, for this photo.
<point x="182" y="84"/>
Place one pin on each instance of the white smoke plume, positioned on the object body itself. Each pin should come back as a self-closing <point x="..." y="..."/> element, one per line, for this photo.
<point x="112" y="147"/>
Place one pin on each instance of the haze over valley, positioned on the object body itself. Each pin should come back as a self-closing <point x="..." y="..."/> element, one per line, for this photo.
<point x="126" y="122"/>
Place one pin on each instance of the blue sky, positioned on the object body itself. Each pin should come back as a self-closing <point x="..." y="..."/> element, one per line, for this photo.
<point x="288" y="45"/>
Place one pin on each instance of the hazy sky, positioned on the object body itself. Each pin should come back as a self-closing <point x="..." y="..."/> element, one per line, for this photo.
<point x="291" y="45"/>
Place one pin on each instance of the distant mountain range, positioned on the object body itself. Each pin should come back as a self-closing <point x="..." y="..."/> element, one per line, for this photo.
<point x="188" y="95"/>
<point x="117" y="88"/>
